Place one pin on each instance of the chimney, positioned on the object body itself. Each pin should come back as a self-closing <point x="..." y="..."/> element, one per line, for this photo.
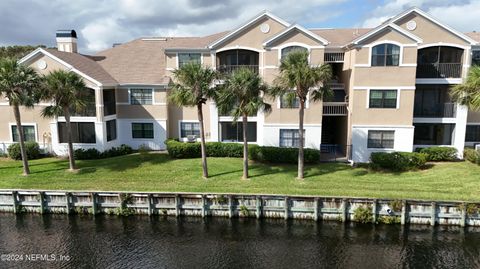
<point x="66" y="40"/>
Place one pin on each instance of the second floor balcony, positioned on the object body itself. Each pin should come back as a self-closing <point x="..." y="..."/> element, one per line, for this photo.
<point x="433" y="101"/>
<point x="443" y="110"/>
<point x="231" y="60"/>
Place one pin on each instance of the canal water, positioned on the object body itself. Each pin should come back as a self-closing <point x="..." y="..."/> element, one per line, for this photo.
<point x="60" y="241"/>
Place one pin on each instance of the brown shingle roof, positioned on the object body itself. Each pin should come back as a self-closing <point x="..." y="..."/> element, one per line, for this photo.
<point x="340" y="37"/>
<point x="142" y="61"/>
<point x="474" y="35"/>
<point x="85" y="65"/>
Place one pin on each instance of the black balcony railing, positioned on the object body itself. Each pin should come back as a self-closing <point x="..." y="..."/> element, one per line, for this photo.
<point x="439" y="70"/>
<point x="445" y="110"/>
<point x="228" y="69"/>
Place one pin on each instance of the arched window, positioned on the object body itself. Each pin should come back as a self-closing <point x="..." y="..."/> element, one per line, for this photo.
<point x="287" y="50"/>
<point x="385" y="55"/>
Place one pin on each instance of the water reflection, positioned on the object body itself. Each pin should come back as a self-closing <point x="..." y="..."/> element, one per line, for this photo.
<point x="158" y="242"/>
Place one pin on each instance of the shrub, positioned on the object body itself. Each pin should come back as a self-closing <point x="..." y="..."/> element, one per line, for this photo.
<point x="389" y="219"/>
<point x="87" y="154"/>
<point x="181" y="150"/>
<point x="398" y="161"/>
<point x="283" y="155"/>
<point x="472" y="155"/>
<point x="32" y="149"/>
<point x="440" y="154"/>
<point x="144" y="149"/>
<point x="363" y="214"/>
<point x="113" y="152"/>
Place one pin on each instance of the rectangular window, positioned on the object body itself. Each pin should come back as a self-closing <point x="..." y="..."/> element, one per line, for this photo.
<point x="189" y="128"/>
<point x="142" y="130"/>
<point x="285" y="104"/>
<point x="141" y="96"/>
<point x="111" y="130"/>
<point x="383" y="99"/>
<point x="109" y="102"/>
<point x="476" y="57"/>
<point x="289" y="138"/>
<point x="28" y="133"/>
<point x="233" y="132"/>
<point x="473" y="133"/>
<point x="82" y="132"/>
<point x="184" y="58"/>
<point x="381" y="139"/>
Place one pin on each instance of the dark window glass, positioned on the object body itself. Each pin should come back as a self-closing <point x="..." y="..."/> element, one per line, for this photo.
<point x="383" y="99"/>
<point x="141" y="96"/>
<point x="473" y="133"/>
<point x="90" y="108"/>
<point x="287" y="50"/>
<point x="111" y="130"/>
<point x="233" y="132"/>
<point x="290" y="138"/>
<point x="189" y="128"/>
<point x="142" y="130"/>
<point x="184" y="58"/>
<point x="476" y="57"/>
<point x="285" y="104"/>
<point x="28" y="133"/>
<point x="109" y="104"/>
<point x="386" y="55"/>
<point x="433" y="134"/>
<point x="381" y="139"/>
<point x="82" y="132"/>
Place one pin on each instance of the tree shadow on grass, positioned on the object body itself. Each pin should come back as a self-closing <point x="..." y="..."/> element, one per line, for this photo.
<point x="123" y="163"/>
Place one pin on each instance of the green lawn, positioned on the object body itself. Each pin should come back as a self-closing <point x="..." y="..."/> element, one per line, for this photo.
<point x="157" y="172"/>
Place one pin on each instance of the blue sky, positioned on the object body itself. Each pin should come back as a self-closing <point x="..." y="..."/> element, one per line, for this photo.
<point x="100" y="23"/>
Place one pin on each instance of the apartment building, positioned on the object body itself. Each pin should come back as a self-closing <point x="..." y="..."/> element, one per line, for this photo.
<point x="390" y="88"/>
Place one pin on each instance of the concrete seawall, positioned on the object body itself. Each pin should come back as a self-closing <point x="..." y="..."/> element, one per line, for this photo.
<point x="239" y="205"/>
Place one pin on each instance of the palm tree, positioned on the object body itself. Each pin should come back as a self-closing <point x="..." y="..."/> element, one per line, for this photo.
<point x="18" y="84"/>
<point x="298" y="79"/>
<point x="193" y="85"/>
<point x="468" y="93"/>
<point x="242" y="96"/>
<point x="67" y="92"/>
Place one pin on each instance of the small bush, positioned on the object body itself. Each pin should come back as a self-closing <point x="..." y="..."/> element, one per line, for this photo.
<point x="113" y="152"/>
<point x="144" y="149"/>
<point x="440" y="154"/>
<point x="396" y="205"/>
<point x="32" y="149"/>
<point x="283" y="155"/>
<point x="181" y="150"/>
<point x="363" y="214"/>
<point x="389" y="219"/>
<point x="398" y="161"/>
<point x="472" y="155"/>
<point x="87" y="154"/>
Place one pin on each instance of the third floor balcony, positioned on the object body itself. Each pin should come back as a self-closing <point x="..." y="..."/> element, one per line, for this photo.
<point x="230" y="60"/>
<point x="439" y="62"/>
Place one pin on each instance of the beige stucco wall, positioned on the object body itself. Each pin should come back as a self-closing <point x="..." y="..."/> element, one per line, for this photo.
<point x="28" y="116"/>
<point x="473" y="117"/>
<point x="252" y="36"/>
<point x="388" y="34"/>
<point x="158" y="110"/>
<point x="313" y="114"/>
<point x="297" y="37"/>
<point x="176" y="114"/>
<point x="361" y="115"/>
<point x="429" y="31"/>
<point x="385" y="76"/>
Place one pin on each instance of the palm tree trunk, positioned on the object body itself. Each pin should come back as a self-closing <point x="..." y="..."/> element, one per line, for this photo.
<point x="202" y="141"/>
<point x="301" y="113"/>
<point x="71" y="157"/>
<point x="245" y="147"/>
<point x="16" y="113"/>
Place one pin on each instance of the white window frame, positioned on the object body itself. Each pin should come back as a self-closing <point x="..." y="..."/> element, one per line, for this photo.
<point x="399" y="91"/>
<point x="142" y="122"/>
<point x="180" y="128"/>
<point x="140" y="88"/>
<point x="106" y="129"/>
<point x="187" y="52"/>
<point x="10" y="124"/>
<point x="295" y="44"/>
<point x="400" y="61"/>
<point x="380" y="149"/>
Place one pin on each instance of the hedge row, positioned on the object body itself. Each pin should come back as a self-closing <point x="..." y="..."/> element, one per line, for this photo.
<point x="439" y="154"/>
<point x="472" y="155"/>
<point x="398" y="161"/>
<point x="180" y="150"/>
<point x="32" y="149"/>
<point x="92" y="154"/>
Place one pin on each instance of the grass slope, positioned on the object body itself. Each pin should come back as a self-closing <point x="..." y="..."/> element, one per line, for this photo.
<point x="157" y="172"/>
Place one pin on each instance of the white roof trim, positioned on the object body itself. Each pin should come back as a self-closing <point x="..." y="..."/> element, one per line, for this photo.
<point x="383" y="27"/>
<point x="432" y="19"/>
<point x="67" y="65"/>
<point x="250" y="22"/>
<point x="299" y="28"/>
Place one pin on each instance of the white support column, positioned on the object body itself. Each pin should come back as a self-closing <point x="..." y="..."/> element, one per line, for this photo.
<point x="460" y="129"/>
<point x="213" y="122"/>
